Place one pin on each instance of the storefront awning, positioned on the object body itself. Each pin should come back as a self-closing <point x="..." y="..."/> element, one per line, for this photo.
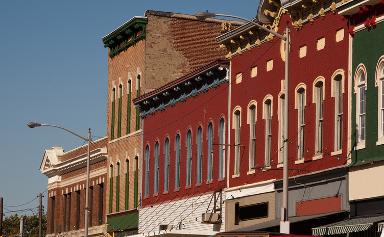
<point x="348" y="226"/>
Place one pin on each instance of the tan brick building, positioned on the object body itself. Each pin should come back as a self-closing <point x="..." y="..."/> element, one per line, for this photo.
<point x="144" y="54"/>
<point x="66" y="172"/>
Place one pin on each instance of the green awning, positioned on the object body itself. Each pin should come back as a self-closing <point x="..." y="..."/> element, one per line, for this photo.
<point x="122" y="221"/>
<point x="347" y="226"/>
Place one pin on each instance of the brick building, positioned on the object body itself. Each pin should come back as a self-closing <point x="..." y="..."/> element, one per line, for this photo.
<point x="66" y="172"/>
<point x="318" y="112"/>
<point x="144" y="54"/>
<point x="184" y="166"/>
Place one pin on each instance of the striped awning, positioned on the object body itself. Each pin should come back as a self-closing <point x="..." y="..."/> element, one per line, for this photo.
<point x="348" y="226"/>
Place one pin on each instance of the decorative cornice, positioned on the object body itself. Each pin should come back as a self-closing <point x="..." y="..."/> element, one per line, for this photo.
<point x="126" y="35"/>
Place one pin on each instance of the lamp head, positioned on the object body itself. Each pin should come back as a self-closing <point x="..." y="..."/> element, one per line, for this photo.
<point x="33" y="124"/>
<point x="205" y="15"/>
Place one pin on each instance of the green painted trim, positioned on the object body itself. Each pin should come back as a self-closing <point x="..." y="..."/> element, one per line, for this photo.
<point x="123" y="222"/>
<point x="119" y="114"/>
<point x="129" y="104"/>
<point x="136" y="189"/>
<point x="118" y="192"/>
<point x="127" y="186"/>
<point x="113" y="121"/>
<point x="137" y="109"/>
<point x="126" y="29"/>
<point x="110" y="193"/>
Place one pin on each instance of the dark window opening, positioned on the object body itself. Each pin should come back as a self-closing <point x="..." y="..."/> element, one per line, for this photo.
<point x="250" y="212"/>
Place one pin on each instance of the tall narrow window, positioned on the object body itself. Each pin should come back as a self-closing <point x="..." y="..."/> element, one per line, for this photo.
<point x="177" y="162"/>
<point x="380" y="95"/>
<point x="300" y="123"/>
<point x="101" y="204"/>
<point x="113" y="114"/>
<point x="77" y="226"/>
<point x="252" y="137"/>
<point x="199" y="154"/>
<point x="146" y="181"/>
<point x="268" y="132"/>
<point x="237" y="124"/>
<point x="157" y="174"/>
<point x="119" y="110"/>
<point x="137" y="95"/>
<point x="210" y="152"/>
<point x="110" y="188"/>
<point x="136" y="183"/>
<point x="90" y="206"/>
<point x="361" y="106"/>
<point x="338" y="112"/>
<point x="129" y="104"/>
<point x="188" y="165"/>
<point x="126" y="184"/>
<point x="53" y="215"/>
<point x="281" y="128"/>
<point x="118" y="187"/>
<point x="166" y="165"/>
<point x="319" y="101"/>
<point x="221" y="147"/>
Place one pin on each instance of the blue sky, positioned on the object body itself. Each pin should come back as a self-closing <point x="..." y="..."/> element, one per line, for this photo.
<point x="53" y="69"/>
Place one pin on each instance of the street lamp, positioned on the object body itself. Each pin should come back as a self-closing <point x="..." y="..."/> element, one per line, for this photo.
<point x="89" y="140"/>
<point x="284" y="223"/>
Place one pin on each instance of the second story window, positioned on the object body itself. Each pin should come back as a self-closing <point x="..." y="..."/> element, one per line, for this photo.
<point x="119" y="110"/>
<point x="380" y="96"/>
<point x="113" y="114"/>
<point x="338" y="94"/>
<point x="129" y="104"/>
<point x="221" y="147"/>
<point x="237" y="126"/>
<point x="199" y="154"/>
<point x="300" y="100"/>
<point x="268" y="132"/>
<point x="210" y="152"/>
<point x="252" y="137"/>
<point x="166" y="165"/>
<point x="138" y="78"/>
<point x="157" y="169"/>
<point x="188" y="161"/>
<point x="281" y="128"/>
<point x="146" y="180"/>
<point x="177" y="162"/>
<point x="319" y="102"/>
<point x="361" y="92"/>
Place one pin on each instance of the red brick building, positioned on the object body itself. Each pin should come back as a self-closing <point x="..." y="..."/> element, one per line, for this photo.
<point x="317" y="111"/>
<point x="185" y="124"/>
<point x="144" y="54"/>
<point x="66" y="172"/>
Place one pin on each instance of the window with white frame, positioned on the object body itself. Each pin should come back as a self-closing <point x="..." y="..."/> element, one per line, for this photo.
<point x="221" y="147"/>
<point x="361" y="86"/>
<point x="210" y="152"/>
<point x="147" y="155"/>
<point x="268" y="132"/>
<point x="166" y="164"/>
<point x="199" y="154"/>
<point x="319" y="118"/>
<point x="177" y="162"/>
<point x="252" y="136"/>
<point x="300" y="123"/>
<point x="380" y="95"/>
<point x="157" y="171"/>
<point x="281" y="128"/>
<point x="338" y="93"/>
<point x="188" y="165"/>
<point x="237" y="123"/>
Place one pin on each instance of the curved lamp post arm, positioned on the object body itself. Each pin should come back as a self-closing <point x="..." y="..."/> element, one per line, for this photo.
<point x="205" y="15"/>
<point x="36" y="124"/>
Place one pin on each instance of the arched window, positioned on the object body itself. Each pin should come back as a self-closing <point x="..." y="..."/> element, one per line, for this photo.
<point x="252" y="137"/>
<point x="177" y="162"/>
<point x="110" y="188"/>
<point x="380" y="96"/>
<point x="199" y="154"/>
<point x="237" y="126"/>
<point x="119" y="110"/>
<point x="210" y="152"/>
<point x="113" y="113"/>
<point x="338" y="94"/>
<point x="157" y="171"/>
<point x="129" y="104"/>
<point x="281" y="138"/>
<point x="221" y="147"/>
<point x="147" y="171"/>
<point x="361" y="95"/>
<point x="300" y="106"/>
<point x="126" y="184"/>
<point x="166" y="165"/>
<point x="319" y="102"/>
<point x="268" y="132"/>
<point x="137" y="95"/>
<point x="188" y="165"/>
<point x="117" y="198"/>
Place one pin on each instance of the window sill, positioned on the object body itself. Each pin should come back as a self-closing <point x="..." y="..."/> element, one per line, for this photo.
<point x="156" y="194"/>
<point x="251" y="171"/>
<point x="221" y="179"/>
<point x="266" y="168"/>
<point x="166" y="192"/>
<point x="301" y="161"/>
<point x="318" y="156"/>
<point x="209" y="181"/>
<point x="280" y="165"/>
<point x="360" y="146"/>
<point x="177" y="189"/>
<point x="335" y="153"/>
<point x="188" y="187"/>
<point x="380" y="141"/>
<point x="235" y="176"/>
<point x="198" y="185"/>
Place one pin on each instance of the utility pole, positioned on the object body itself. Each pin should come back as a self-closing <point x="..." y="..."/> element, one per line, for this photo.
<point x="21" y="226"/>
<point x="1" y="216"/>
<point x="40" y="214"/>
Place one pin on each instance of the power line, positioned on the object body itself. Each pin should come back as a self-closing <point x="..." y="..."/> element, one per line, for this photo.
<point x="24" y="204"/>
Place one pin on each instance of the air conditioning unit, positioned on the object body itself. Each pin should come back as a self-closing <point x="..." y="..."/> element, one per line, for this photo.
<point x="211" y="218"/>
<point x="165" y="227"/>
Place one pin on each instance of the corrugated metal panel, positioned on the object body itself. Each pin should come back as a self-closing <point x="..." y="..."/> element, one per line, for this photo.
<point x="184" y="214"/>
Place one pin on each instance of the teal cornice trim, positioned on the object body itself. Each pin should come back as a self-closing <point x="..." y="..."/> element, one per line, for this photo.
<point x="125" y="36"/>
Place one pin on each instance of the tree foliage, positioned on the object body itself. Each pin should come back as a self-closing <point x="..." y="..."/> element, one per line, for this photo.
<point x="11" y="225"/>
